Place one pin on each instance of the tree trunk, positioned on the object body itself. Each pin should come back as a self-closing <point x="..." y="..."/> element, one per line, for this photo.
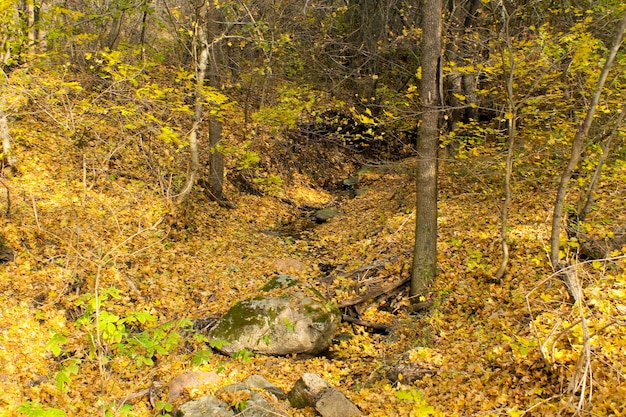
<point x="460" y="50"/>
<point x="585" y="203"/>
<point x="577" y="148"/>
<point x="8" y="158"/>
<point x="216" y="161"/>
<point x="425" y="251"/>
<point x="216" y="157"/>
<point x="511" y="117"/>
<point x="28" y="18"/>
<point x="144" y="28"/>
<point x="112" y="39"/>
<point x="201" y="58"/>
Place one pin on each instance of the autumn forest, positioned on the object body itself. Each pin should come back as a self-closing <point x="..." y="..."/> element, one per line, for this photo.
<point x="448" y="176"/>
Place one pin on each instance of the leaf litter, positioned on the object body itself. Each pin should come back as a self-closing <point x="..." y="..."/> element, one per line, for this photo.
<point x="479" y="341"/>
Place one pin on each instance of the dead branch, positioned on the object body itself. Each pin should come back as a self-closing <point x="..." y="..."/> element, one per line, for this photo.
<point x="374" y="292"/>
<point x="376" y="326"/>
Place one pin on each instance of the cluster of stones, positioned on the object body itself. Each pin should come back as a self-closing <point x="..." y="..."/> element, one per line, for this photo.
<point x="257" y="397"/>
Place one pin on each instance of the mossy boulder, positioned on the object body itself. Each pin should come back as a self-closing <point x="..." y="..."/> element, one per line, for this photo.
<point x="289" y="317"/>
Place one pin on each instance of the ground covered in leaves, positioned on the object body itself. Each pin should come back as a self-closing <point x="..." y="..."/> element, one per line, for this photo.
<point x="104" y="296"/>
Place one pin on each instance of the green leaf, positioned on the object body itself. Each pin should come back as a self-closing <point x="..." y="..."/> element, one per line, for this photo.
<point x="290" y="327"/>
<point x="63" y="377"/>
<point x="55" y="343"/>
<point x="218" y="343"/>
<point x="34" y="409"/>
<point x="164" y="406"/>
<point x="201" y="357"/>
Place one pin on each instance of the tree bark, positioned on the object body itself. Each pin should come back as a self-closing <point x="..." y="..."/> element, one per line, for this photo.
<point x="425" y="251"/>
<point x="112" y="39"/>
<point x="28" y="17"/>
<point x="585" y="203"/>
<point x="459" y="50"/>
<point x="201" y="57"/>
<point x="215" y="179"/>
<point x="577" y="148"/>
<point x="8" y="159"/>
<point x="511" y="117"/>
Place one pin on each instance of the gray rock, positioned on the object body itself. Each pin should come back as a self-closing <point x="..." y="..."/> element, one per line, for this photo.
<point x="327" y="213"/>
<point x="297" y="319"/>
<point x="257" y="406"/>
<point x="360" y="191"/>
<point x="312" y="391"/>
<point x="351" y="182"/>
<point x="307" y="390"/>
<point x="207" y="406"/>
<point x="332" y="403"/>
<point x="257" y="382"/>
<point x="254" y="406"/>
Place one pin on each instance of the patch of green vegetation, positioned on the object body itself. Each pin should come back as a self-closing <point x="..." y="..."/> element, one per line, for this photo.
<point x="241" y="315"/>
<point x="280" y="281"/>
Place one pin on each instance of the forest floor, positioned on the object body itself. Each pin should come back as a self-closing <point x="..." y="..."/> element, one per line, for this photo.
<point x="78" y="231"/>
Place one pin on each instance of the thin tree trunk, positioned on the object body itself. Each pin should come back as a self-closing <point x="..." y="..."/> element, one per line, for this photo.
<point x="459" y="49"/>
<point x="8" y="158"/>
<point x="112" y="38"/>
<point x="216" y="157"/>
<point x="577" y="147"/>
<point x="216" y="161"/>
<point x="508" y="168"/>
<point x="585" y="203"/>
<point x="425" y="251"/>
<point x="201" y="58"/>
<point x="144" y="28"/>
<point x="28" y="18"/>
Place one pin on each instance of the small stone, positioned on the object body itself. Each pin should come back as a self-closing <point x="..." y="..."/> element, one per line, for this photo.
<point x="327" y="213"/>
<point x="332" y="403"/>
<point x="259" y="383"/>
<point x="306" y="391"/>
<point x="351" y="182"/>
<point x="206" y="406"/>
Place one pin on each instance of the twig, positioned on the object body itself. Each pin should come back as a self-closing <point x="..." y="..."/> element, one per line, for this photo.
<point x="35" y="211"/>
<point x="374" y="292"/>
<point x="369" y="324"/>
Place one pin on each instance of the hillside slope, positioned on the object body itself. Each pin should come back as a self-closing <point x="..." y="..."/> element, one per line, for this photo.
<point x="94" y="244"/>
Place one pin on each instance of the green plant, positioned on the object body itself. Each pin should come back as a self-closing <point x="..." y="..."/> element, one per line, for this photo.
<point x="164" y="408"/>
<point x="272" y="184"/>
<point x="121" y="335"/>
<point x="290" y="327"/>
<point x="201" y="357"/>
<point x="34" y="409"/>
<point x="54" y="344"/>
<point x="244" y="354"/>
<point x="114" y="410"/>
<point x="218" y="343"/>
<point x="64" y="376"/>
<point x="239" y="406"/>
